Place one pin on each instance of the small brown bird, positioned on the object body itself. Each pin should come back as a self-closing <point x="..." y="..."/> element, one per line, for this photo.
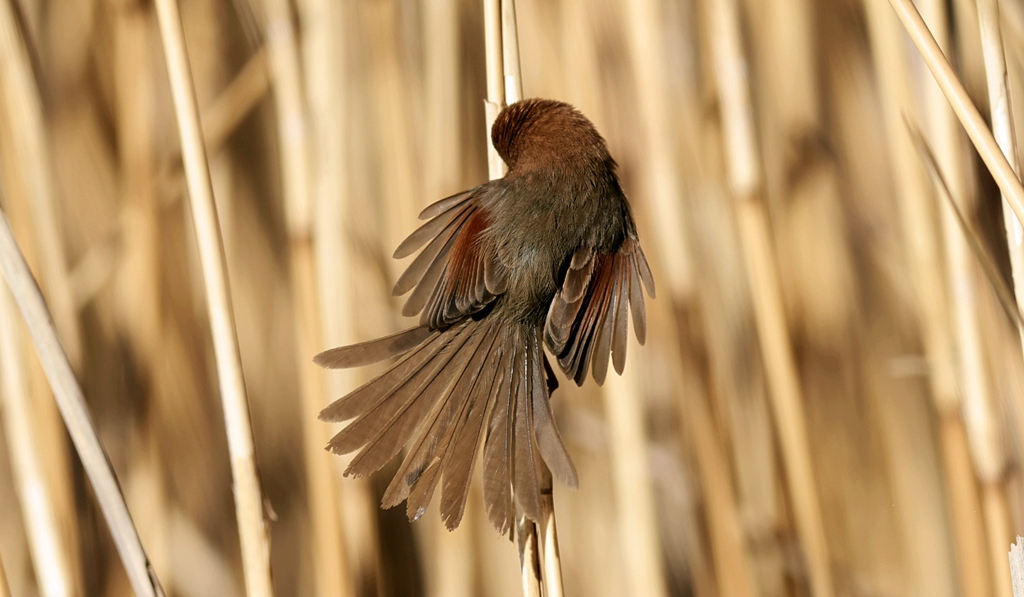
<point x="547" y="255"/>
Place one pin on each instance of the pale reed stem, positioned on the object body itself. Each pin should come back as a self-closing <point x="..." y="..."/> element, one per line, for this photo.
<point x="252" y="527"/>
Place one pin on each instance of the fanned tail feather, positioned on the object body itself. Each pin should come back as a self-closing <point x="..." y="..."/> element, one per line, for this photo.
<point x="443" y="394"/>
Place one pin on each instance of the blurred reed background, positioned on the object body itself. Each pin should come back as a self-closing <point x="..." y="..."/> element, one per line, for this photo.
<point x="830" y="399"/>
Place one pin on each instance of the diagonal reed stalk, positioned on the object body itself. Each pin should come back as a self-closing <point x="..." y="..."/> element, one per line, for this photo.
<point x="785" y="393"/>
<point x="252" y="527"/>
<point x="76" y="416"/>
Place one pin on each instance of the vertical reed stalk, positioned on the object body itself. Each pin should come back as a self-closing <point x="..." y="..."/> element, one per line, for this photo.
<point x="49" y="556"/>
<point x="918" y="222"/>
<point x="76" y="416"/>
<point x="330" y="561"/>
<point x="727" y="544"/>
<point x="513" y="75"/>
<point x="24" y="112"/>
<point x="529" y="557"/>
<point x="1016" y="557"/>
<point x="997" y="510"/>
<point x="325" y="25"/>
<point x="662" y="188"/>
<point x="34" y="208"/>
<point x="631" y="478"/>
<point x="252" y="526"/>
<point x="495" y="81"/>
<point x="1003" y="129"/>
<point x="745" y="183"/>
<point x="551" y="562"/>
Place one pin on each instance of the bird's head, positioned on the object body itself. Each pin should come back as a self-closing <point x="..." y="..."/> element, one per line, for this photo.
<point x="538" y="133"/>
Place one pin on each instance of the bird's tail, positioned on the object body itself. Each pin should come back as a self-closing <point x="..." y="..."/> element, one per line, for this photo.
<point x="479" y="380"/>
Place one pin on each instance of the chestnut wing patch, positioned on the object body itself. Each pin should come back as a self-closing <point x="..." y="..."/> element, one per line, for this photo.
<point x="452" y="277"/>
<point x="587" y="322"/>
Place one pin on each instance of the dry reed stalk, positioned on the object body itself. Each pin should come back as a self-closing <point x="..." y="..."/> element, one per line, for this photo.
<point x="255" y="543"/>
<point x="330" y="561"/>
<point x="328" y="91"/>
<point x="25" y="118"/>
<point x="49" y="556"/>
<point x="330" y="556"/>
<point x="547" y="538"/>
<point x="634" y="495"/>
<point x="33" y="207"/>
<point x="962" y="277"/>
<point x="76" y="416"/>
<point x="997" y="510"/>
<point x="745" y="183"/>
<point x="962" y="105"/>
<point x="802" y="192"/>
<point x="394" y="128"/>
<point x="495" y="81"/>
<point x="513" y="75"/>
<point x="917" y="219"/>
<point x="732" y="569"/>
<point x="1003" y="129"/>
<point x="661" y="182"/>
<point x="1016" y="557"/>
<point x="545" y="564"/>
<point x="529" y="556"/>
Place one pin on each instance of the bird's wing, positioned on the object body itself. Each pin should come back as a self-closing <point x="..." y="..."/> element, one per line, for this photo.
<point x="453" y="276"/>
<point x="587" y="320"/>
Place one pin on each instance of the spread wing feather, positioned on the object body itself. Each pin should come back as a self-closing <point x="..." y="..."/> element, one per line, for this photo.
<point x="587" y="322"/>
<point x="455" y="275"/>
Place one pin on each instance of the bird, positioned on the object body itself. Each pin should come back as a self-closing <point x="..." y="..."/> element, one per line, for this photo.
<point x="545" y="257"/>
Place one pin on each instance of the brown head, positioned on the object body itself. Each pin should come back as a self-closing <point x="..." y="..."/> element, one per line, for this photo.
<point x="537" y="133"/>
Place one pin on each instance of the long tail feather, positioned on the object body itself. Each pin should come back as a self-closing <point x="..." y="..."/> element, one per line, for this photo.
<point x="526" y="488"/>
<point x="468" y="434"/>
<point x="374" y="351"/>
<point x="498" y="447"/>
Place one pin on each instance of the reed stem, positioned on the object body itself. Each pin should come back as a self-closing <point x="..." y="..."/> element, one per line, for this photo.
<point x="49" y="557"/>
<point x="252" y="527"/>
<point x="746" y="185"/>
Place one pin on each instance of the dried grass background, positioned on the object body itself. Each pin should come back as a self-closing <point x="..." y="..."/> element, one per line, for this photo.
<point x="860" y="436"/>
